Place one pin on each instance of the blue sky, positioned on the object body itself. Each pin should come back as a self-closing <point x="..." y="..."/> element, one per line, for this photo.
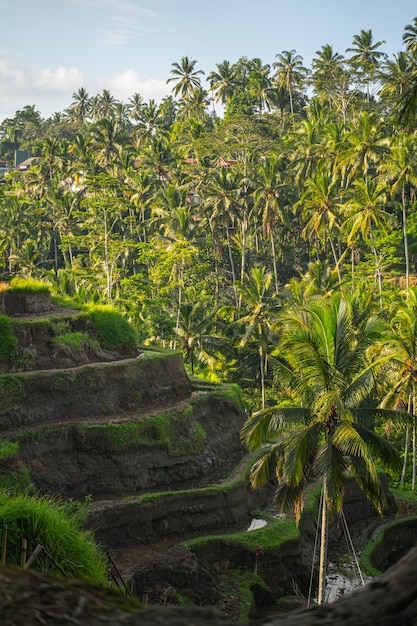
<point x="51" y="48"/>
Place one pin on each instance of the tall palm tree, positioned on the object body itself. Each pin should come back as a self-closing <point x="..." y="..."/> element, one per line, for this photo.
<point x="367" y="201"/>
<point x="400" y="168"/>
<point x="320" y="202"/>
<point x="223" y="82"/>
<point x="80" y="104"/>
<point x="134" y="106"/>
<point x="402" y="346"/>
<point x="269" y="196"/>
<point x="185" y="77"/>
<point x="220" y="198"/>
<point x="327" y="68"/>
<point x="290" y="72"/>
<point x="398" y="75"/>
<point x="366" y="55"/>
<point x="260" y="84"/>
<point x="324" y="359"/>
<point x="106" y="104"/>
<point x="258" y="303"/>
<point x="410" y="36"/>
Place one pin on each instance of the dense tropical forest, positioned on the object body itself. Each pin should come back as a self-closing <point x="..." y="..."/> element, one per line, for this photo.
<point x="240" y="239"/>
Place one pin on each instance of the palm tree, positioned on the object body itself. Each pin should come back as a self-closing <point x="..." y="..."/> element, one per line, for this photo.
<point x="149" y="123"/>
<point x="320" y="201"/>
<point x="80" y="104"/>
<point x="364" y="145"/>
<point x="260" y="84"/>
<point x="324" y="360"/>
<point x="135" y="106"/>
<point x="269" y="197"/>
<point x="410" y="36"/>
<point x="367" y="201"/>
<point x="402" y="346"/>
<point x="223" y="82"/>
<point x="401" y="171"/>
<point x="327" y="68"/>
<point x="184" y="75"/>
<point x="366" y="56"/>
<point x="258" y="303"/>
<point x="398" y="75"/>
<point x="220" y="198"/>
<point x="195" y="333"/>
<point x="195" y="105"/>
<point x="290" y="72"/>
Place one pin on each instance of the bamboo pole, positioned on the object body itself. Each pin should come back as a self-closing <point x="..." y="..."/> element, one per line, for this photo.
<point x="33" y="556"/>
<point x="23" y="552"/>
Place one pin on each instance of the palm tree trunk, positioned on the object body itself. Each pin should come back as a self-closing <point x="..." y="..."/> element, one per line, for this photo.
<point x="406" y="254"/>
<point x="232" y="266"/>
<point x="262" y="369"/>
<point x="377" y="268"/>
<point x="405" y="461"/>
<point x="323" y="546"/>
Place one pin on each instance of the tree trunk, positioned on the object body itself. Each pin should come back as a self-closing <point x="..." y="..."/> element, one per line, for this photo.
<point x="323" y="547"/>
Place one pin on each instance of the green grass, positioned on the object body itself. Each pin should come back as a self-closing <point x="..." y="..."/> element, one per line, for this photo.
<point x="8" y="341"/>
<point x="179" y="432"/>
<point x="43" y="520"/>
<point x="113" y="329"/>
<point x="8" y="449"/>
<point x="27" y="285"/>
<point x="76" y="340"/>
<point x="12" y="391"/>
<point x="271" y="536"/>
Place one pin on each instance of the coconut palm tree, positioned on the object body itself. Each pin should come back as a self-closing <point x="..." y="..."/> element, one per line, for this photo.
<point x="223" y="82"/>
<point x="327" y="68"/>
<point x="320" y="202"/>
<point x="324" y="360"/>
<point x="186" y="78"/>
<point x="135" y="105"/>
<point x="269" y="197"/>
<point x="258" y="303"/>
<point x="400" y="168"/>
<point x="80" y="104"/>
<point x="367" y="200"/>
<point x="290" y="72"/>
<point x="366" y="56"/>
<point x="402" y="345"/>
<point x="410" y="36"/>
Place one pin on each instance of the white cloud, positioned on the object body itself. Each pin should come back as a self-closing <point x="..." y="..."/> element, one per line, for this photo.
<point x="61" y="80"/>
<point x="125" y="84"/>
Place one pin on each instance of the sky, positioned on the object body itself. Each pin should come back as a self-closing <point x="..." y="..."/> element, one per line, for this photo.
<point x="49" y="49"/>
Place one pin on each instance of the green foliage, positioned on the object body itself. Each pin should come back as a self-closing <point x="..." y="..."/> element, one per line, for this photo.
<point x="8" y="341"/>
<point x="180" y="433"/>
<point x="11" y="392"/>
<point x="271" y="536"/>
<point x="43" y="520"/>
<point x="8" y="449"/>
<point x="76" y="341"/>
<point x="113" y="329"/>
<point x="28" y="285"/>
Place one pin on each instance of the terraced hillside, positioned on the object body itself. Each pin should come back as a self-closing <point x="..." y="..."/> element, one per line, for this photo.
<point x="158" y="456"/>
<point x="117" y="424"/>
